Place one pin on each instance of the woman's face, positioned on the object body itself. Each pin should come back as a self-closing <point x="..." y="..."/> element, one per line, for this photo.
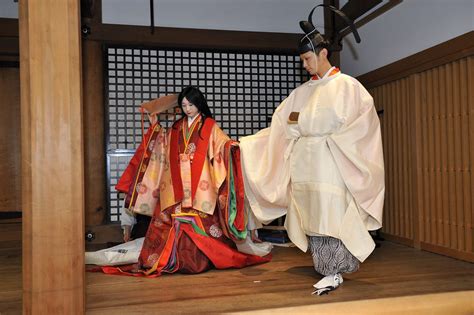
<point x="189" y="108"/>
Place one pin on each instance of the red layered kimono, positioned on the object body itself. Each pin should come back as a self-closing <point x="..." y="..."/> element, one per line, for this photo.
<point x="189" y="179"/>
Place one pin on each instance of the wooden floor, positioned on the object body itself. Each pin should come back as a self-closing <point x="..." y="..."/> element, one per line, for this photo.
<point x="393" y="280"/>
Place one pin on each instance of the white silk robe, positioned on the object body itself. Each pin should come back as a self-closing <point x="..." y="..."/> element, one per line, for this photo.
<point x="326" y="172"/>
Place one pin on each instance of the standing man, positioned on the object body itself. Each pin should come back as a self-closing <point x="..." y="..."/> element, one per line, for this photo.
<point x="320" y="162"/>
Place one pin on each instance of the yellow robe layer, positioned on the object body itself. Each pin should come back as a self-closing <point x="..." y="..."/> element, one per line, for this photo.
<point x="157" y="178"/>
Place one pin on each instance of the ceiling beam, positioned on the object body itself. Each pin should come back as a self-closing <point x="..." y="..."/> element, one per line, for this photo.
<point x="330" y="27"/>
<point x="389" y="5"/>
<point x="355" y="9"/>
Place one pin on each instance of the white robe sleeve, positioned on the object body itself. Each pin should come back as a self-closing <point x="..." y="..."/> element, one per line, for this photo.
<point x="266" y="169"/>
<point x="126" y="218"/>
<point x="358" y="153"/>
<point x="122" y="254"/>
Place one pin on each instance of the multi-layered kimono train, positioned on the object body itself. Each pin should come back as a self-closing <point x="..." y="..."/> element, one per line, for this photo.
<point x="325" y="172"/>
<point x="189" y="179"/>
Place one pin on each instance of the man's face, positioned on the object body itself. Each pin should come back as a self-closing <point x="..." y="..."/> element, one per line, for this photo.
<point x="310" y="62"/>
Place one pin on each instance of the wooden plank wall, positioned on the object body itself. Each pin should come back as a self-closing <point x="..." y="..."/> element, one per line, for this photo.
<point x="428" y="138"/>
<point x="393" y="97"/>
<point x="10" y="170"/>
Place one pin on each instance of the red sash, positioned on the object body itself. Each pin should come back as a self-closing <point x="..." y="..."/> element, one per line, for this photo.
<point x="130" y="172"/>
<point x="135" y="170"/>
<point x="202" y="146"/>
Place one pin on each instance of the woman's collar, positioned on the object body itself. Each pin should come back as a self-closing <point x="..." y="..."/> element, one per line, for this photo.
<point x="191" y="120"/>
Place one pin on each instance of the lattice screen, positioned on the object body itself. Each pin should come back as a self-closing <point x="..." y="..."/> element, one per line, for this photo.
<point x="242" y="90"/>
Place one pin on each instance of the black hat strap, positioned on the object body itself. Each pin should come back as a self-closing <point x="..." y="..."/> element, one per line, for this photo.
<point x="342" y="15"/>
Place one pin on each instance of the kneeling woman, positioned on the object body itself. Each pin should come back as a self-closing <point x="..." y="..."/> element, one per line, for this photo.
<point x="189" y="179"/>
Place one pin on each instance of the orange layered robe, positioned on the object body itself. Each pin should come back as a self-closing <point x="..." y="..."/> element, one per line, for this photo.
<point x="189" y="179"/>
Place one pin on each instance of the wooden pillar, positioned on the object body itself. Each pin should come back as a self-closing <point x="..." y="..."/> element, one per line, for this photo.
<point x="10" y="141"/>
<point x="329" y="29"/>
<point x="52" y="157"/>
<point x="94" y="120"/>
<point x="94" y="147"/>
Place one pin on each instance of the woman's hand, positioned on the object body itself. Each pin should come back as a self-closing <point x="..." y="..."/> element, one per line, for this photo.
<point x="153" y="118"/>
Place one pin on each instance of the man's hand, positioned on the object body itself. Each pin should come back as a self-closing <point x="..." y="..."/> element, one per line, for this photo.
<point x="127" y="231"/>
<point x="293" y="118"/>
<point x="254" y="237"/>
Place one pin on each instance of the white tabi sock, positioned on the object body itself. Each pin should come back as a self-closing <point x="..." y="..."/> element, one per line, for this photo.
<point x="327" y="284"/>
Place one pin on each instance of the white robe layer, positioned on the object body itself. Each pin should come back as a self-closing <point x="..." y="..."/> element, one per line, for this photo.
<point x="326" y="173"/>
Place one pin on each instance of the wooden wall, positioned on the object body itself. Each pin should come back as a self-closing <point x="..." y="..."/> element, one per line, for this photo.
<point x="428" y="138"/>
<point x="393" y="98"/>
<point x="10" y="170"/>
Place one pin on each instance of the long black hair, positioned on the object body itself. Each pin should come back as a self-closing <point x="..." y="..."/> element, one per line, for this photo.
<point x="195" y="97"/>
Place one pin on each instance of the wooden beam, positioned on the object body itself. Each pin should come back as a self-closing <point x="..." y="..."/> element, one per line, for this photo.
<point x="467" y="256"/>
<point x="329" y="18"/>
<point x="389" y="5"/>
<point x="450" y="50"/>
<point x="9" y="27"/>
<point x="330" y="28"/>
<point x="91" y="18"/>
<point x="168" y="37"/>
<point x="94" y="146"/>
<point x="397" y="239"/>
<point x="9" y="46"/>
<point x="52" y="157"/>
<point x="355" y="9"/>
<point x="94" y="122"/>
<point x="196" y="38"/>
